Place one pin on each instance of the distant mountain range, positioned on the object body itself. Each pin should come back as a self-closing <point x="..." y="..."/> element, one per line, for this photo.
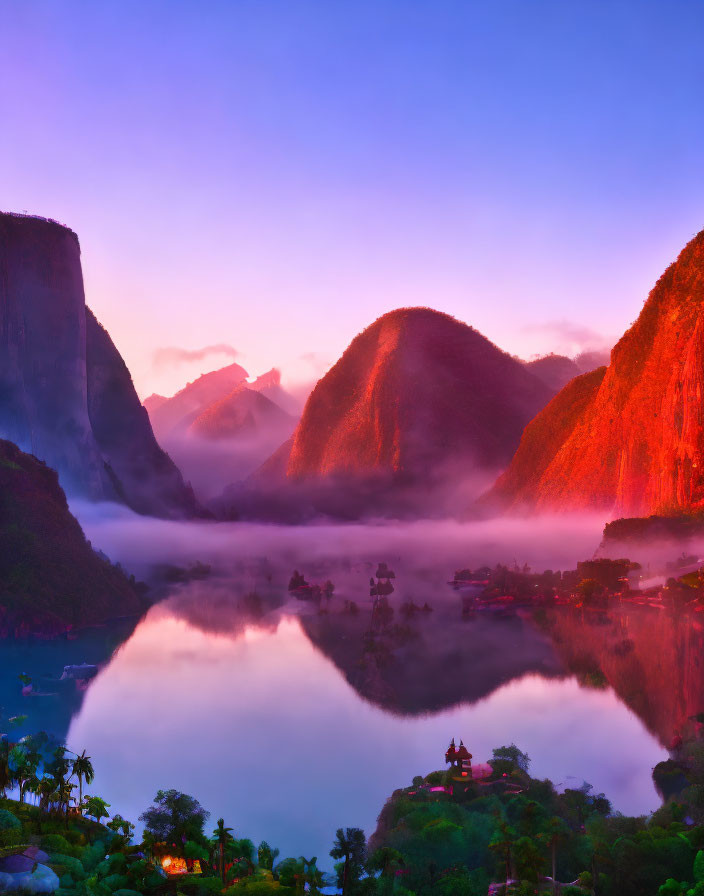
<point x="66" y="395"/>
<point x="557" y="370"/>
<point x="627" y="439"/>
<point x="221" y="427"/>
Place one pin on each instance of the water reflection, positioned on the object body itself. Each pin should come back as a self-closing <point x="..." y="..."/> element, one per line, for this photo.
<point x="273" y="722"/>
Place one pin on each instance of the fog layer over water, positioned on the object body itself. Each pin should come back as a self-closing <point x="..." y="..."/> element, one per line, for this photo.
<point x="555" y="542"/>
<point x="273" y="715"/>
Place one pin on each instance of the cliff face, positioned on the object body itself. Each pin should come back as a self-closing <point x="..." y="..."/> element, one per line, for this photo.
<point x="416" y="393"/>
<point x="634" y="442"/>
<point x="43" y="351"/>
<point x="54" y="357"/>
<point x="50" y="578"/>
<point x="140" y="471"/>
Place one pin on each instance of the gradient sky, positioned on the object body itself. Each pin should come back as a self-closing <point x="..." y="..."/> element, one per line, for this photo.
<point x="275" y="174"/>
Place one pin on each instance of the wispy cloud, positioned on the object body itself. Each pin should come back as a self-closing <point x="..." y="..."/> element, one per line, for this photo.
<point x="568" y="333"/>
<point x="316" y="359"/>
<point x="173" y="355"/>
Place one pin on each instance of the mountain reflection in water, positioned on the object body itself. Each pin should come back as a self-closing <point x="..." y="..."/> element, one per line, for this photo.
<point x="277" y="724"/>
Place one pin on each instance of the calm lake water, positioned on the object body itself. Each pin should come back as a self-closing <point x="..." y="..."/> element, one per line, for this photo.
<point x="290" y="723"/>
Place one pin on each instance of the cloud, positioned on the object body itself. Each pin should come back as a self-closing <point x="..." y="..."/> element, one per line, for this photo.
<point x="577" y="336"/>
<point x="314" y="358"/>
<point x="172" y="355"/>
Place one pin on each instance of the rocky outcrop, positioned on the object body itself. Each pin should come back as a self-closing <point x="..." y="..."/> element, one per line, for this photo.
<point x="627" y="440"/>
<point x="61" y="378"/>
<point x="50" y="577"/>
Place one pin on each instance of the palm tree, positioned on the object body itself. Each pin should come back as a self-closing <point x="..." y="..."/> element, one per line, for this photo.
<point x="222" y="836"/>
<point x="350" y="845"/>
<point x="312" y="876"/>
<point x="82" y="767"/>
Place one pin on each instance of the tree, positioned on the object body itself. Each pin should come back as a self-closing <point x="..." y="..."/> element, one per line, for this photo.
<point x="23" y="763"/>
<point x="555" y="833"/>
<point x="47" y="792"/>
<point x="82" y="768"/>
<point x="243" y="850"/>
<point x="174" y="818"/>
<point x="266" y="856"/>
<point x="502" y="844"/>
<point x="385" y="862"/>
<point x="223" y="836"/>
<point x="509" y="756"/>
<point x="121" y="826"/>
<point x="5" y="770"/>
<point x="529" y="859"/>
<point x="350" y="847"/>
<point x="312" y="876"/>
<point x="97" y="808"/>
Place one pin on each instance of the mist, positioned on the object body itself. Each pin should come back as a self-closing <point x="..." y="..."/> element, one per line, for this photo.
<point x="140" y="543"/>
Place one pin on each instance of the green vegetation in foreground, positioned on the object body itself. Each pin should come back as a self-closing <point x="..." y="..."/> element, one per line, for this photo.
<point x="446" y="834"/>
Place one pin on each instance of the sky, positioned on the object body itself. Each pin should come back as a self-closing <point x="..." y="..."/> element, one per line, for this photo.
<point x="269" y="176"/>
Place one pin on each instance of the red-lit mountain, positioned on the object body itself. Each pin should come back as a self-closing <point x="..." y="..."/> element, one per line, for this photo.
<point x="417" y="396"/>
<point x="627" y="439"/>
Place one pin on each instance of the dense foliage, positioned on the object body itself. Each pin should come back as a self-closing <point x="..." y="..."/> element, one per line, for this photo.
<point x="448" y="834"/>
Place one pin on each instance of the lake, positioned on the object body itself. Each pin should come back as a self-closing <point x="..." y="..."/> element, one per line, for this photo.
<point x="290" y="722"/>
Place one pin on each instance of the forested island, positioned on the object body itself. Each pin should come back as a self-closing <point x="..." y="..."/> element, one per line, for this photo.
<point x="468" y="830"/>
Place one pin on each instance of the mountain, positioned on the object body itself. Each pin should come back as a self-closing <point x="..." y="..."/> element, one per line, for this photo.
<point x="415" y="394"/>
<point x="269" y="384"/>
<point x="627" y="439"/>
<point x="61" y="378"/>
<point x="554" y="370"/>
<point x="50" y="577"/>
<point x="221" y="427"/>
<point x="243" y="413"/>
<point x="415" y="418"/>
<point x="154" y="401"/>
<point x="173" y="416"/>
<point x="140" y="471"/>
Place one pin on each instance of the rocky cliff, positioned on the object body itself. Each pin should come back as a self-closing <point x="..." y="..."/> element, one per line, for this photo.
<point x="53" y="358"/>
<point x="50" y="578"/>
<point x="628" y="439"/>
<point x="140" y="472"/>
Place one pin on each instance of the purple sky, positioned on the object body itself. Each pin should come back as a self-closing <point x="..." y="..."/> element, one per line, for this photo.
<point x="272" y="176"/>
